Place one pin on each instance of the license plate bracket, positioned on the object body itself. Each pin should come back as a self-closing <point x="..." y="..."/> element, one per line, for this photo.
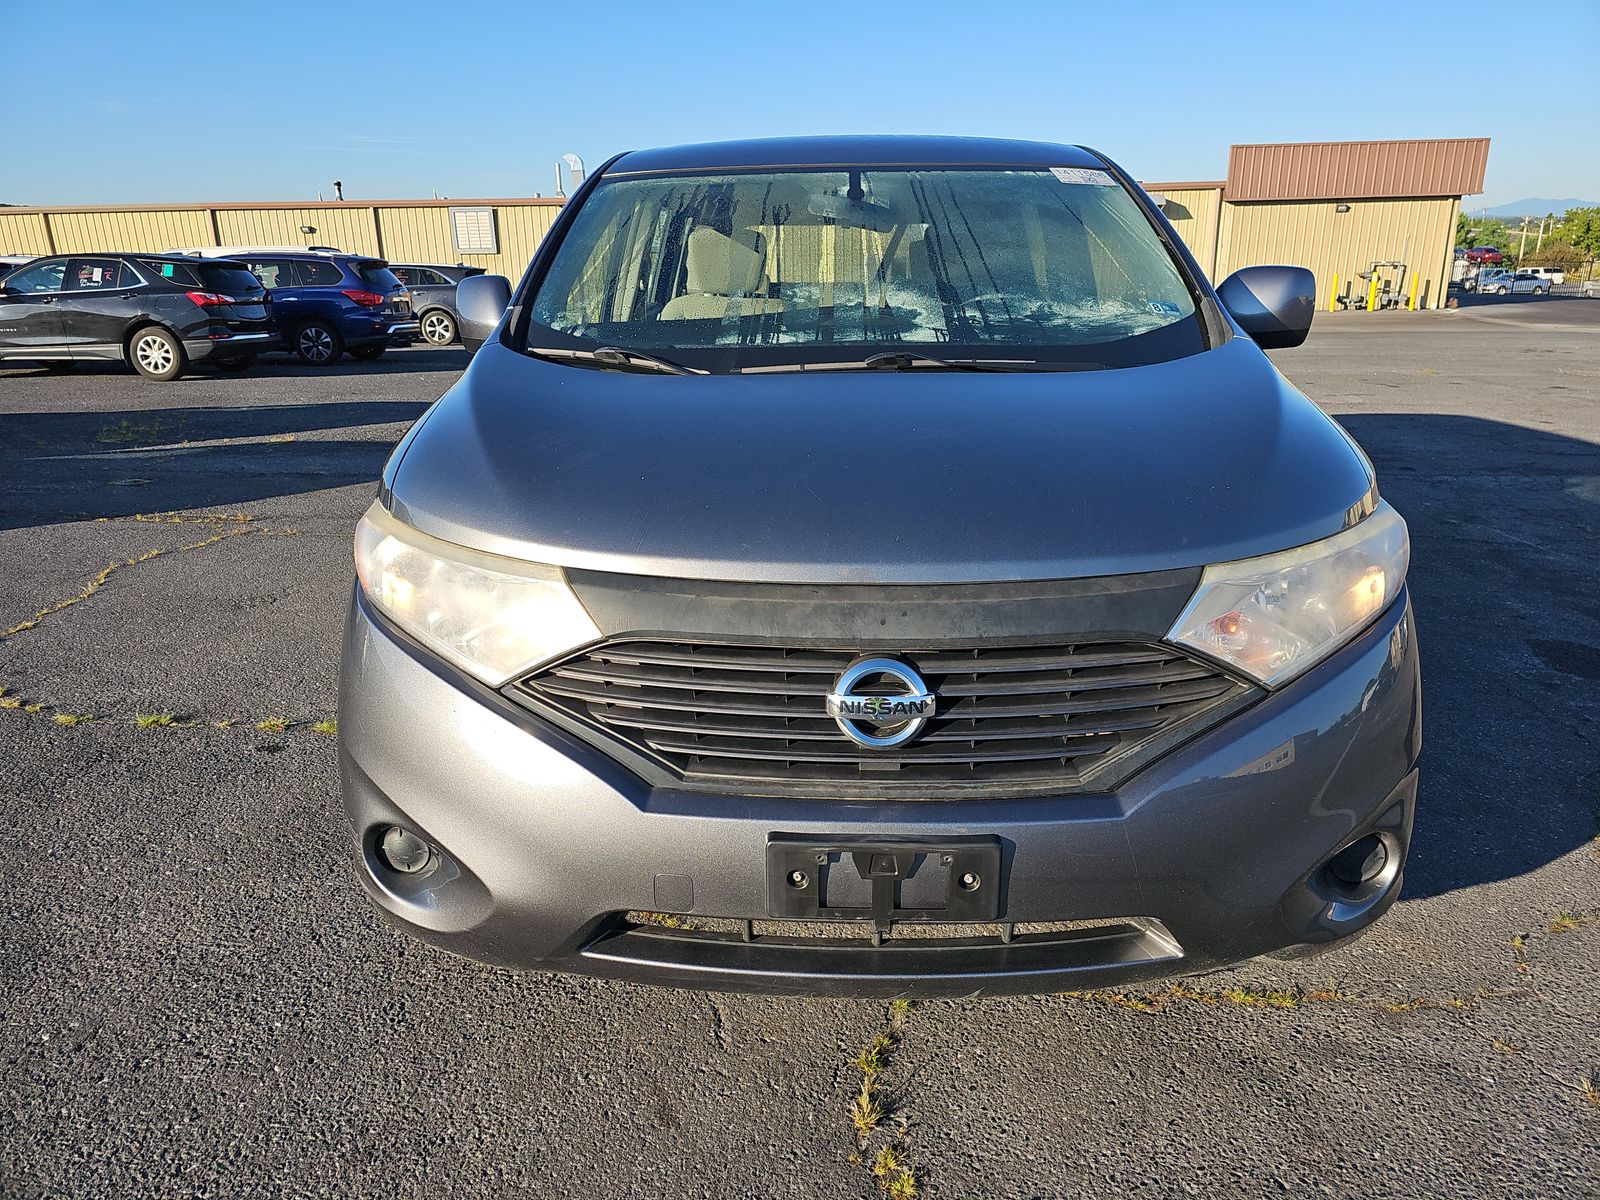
<point x="955" y="879"/>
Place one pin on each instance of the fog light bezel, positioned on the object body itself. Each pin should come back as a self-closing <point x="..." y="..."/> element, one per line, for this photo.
<point x="1348" y="902"/>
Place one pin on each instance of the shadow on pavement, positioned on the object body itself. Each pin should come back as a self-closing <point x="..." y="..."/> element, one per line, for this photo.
<point x="1504" y="524"/>
<point x="61" y="466"/>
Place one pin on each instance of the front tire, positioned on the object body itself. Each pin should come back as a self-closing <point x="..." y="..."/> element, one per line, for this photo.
<point x="1501" y="290"/>
<point x="438" y="328"/>
<point x="318" y="344"/>
<point x="157" y="354"/>
<point x="368" y="353"/>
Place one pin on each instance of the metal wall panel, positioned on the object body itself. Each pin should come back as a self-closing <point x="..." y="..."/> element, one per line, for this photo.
<point x="1331" y="244"/>
<point x="134" y="229"/>
<point x="398" y="230"/>
<point x="348" y="227"/>
<point x="24" y="233"/>
<point x="1193" y="212"/>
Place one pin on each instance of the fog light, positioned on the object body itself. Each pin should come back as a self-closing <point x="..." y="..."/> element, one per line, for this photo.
<point x="403" y="851"/>
<point x="1359" y="862"/>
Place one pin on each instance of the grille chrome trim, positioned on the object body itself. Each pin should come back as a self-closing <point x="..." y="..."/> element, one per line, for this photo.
<point x="1012" y="720"/>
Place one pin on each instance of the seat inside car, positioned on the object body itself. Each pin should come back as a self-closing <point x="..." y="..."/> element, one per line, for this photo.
<point x="724" y="278"/>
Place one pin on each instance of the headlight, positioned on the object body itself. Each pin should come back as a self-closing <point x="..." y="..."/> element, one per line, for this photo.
<point x="1278" y="615"/>
<point x="494" y="617"/>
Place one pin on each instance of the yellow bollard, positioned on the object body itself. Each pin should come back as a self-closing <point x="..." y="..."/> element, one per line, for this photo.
<point x="1411" y="305"/>
<point x="1372" y="293"/>
<point x="1333" y="296"/>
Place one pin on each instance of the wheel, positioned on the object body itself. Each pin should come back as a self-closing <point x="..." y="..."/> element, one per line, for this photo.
<point x="1501" y="290"/>
<point x="157" y="354"/>
<point x="318" y="344"/>
<point x="234" y="364"/>
<point x="438" y="327"/>
<point x="1541" y="291"/>
<point x="368" y="353"/>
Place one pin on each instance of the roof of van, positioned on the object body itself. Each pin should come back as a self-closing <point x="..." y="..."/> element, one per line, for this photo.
<point x="864" y="150"/>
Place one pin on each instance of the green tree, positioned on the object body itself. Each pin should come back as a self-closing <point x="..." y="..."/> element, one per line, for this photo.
<point x="1580" y="229"/>
<point x="1553" y="254"/>
<point x="1482" y="231"/>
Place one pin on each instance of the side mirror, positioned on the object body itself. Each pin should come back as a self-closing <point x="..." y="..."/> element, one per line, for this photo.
<point x="1273" y="305"/>
<point x="481" y="300"/>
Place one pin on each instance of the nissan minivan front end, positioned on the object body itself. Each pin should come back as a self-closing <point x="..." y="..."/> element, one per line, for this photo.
<point x="878" y="566"/>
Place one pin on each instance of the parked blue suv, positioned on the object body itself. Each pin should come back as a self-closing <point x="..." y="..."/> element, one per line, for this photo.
<point x="328" y="303"/>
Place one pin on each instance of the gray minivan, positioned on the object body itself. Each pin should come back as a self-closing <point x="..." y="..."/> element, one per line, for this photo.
<point x="878" y="566"/>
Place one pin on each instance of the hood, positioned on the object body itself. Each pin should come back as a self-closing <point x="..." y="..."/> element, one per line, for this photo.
<point x="878" y="477"/>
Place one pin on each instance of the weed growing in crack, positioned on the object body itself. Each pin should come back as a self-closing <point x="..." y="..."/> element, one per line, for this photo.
<point x="154" y="720"/>
<point x="272" y="724"/>
<point x="67" y="719"/>
<point x="329" y="727"/>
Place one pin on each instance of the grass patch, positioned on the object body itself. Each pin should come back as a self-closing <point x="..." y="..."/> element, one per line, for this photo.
<point x="1567" y="922"/>
<point x="33" y="708"/>
<point x="10" y="701"/>
<point x="894" y="1174"/>
<point x="331" y="728"/>
<point x="126" y="430"/>
<point x="68" y="720"/>
<point x="154" y="720"/>
<point x="1590" y="1090"/>
<point x="272" y="724"/>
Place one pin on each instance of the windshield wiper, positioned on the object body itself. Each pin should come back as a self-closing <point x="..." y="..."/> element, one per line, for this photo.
<point x="905" y="360"/>
<point x="616" y="356"/>
<point x="910" y="360"/>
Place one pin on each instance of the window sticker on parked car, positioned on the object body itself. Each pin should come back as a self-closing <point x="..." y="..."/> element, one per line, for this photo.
<point x="1088" y="175"/>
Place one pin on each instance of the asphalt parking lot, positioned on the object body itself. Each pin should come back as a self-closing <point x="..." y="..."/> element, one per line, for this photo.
<point x="199" y="1001"/>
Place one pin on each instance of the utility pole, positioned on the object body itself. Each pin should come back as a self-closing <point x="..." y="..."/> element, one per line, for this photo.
<point x="1522" y="246"/>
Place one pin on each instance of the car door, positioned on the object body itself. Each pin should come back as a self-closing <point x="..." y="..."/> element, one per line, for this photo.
<point x="30" y="313"/>
<point x="99" y="300"/>
<point x="281" y="278"/>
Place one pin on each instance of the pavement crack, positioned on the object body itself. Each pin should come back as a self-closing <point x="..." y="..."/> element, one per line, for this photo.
<point x="877" y="1113"/>
<point x="110" y="569"/>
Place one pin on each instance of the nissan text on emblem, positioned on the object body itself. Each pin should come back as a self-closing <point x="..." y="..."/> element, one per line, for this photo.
<point x="898" y="709"/>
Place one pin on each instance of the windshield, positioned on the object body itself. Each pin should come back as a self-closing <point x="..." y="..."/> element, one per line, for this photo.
<point x="726" y="272"/>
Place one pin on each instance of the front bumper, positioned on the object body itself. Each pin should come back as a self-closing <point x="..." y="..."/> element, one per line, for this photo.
<point x="1210" y="856"/>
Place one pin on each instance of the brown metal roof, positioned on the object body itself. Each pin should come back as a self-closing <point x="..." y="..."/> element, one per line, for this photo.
<point x="1357" y="170"/>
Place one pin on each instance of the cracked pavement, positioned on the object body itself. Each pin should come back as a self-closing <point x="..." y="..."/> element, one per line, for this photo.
<point x="199" y="1002"/>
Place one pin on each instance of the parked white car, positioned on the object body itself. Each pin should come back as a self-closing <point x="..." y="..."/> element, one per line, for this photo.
<point x="1591" y="287"/>
<point x="1549" y="274"/>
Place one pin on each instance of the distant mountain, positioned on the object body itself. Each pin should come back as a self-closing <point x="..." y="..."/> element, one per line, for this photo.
<point x="1531" y="207"/>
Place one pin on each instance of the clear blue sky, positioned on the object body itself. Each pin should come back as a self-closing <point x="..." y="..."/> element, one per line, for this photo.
<point x="168" y="100"/>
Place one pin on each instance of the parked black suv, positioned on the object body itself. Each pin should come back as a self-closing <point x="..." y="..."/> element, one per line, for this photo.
<point x="433" y="297"/>
<point x="158" y="313"/>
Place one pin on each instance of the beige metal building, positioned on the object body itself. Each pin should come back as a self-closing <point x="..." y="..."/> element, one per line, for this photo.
<point x="498" y="235"/>
<point x="1335" y="207"/>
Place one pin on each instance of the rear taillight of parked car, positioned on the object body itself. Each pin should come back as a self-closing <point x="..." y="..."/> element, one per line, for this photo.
<point x="365" y="299"/>
<point x="210" y="299"/>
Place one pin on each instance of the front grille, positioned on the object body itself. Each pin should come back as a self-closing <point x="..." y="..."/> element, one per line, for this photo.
<point x="1009" y="720"/>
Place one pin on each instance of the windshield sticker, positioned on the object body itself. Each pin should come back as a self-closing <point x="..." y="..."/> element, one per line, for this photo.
<point x="1087" y="175"/>
<point x="1164" y="308"/>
